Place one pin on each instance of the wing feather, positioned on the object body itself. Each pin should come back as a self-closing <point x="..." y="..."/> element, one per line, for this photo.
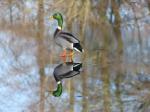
<point x="68" y="36"/>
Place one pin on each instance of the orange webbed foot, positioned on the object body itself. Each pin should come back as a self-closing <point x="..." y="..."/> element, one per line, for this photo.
<point x="63" y="56"/>
<point x="71" y="54"/>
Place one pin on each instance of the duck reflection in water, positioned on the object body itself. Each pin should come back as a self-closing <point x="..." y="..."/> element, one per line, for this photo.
<point x="65" y="70"/>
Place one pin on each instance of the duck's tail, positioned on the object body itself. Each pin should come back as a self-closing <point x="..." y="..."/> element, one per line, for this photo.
<point x="78" y="47"/>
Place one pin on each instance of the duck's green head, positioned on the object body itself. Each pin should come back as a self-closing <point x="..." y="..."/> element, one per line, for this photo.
<point x="58" y="16"/>
<point x="58" y="91"/>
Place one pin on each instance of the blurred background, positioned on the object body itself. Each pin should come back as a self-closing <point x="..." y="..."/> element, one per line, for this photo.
<point x="115" y="35"/>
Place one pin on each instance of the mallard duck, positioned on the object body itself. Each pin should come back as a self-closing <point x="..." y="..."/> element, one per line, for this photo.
<point x="65" y="40"/>
<point x="65" y="70"/>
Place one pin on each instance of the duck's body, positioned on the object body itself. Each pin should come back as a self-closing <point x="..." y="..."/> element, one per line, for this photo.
<point x="65" y="70"/>
<point x="67" y="41"/>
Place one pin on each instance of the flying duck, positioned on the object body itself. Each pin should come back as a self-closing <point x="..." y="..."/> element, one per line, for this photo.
<point x="65" y="40"/>
<point x="65" y="70"/>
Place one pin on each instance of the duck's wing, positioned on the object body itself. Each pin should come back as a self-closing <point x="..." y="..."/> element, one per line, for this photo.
<point x="70" y="74"/>
<point x="66" y="75"/>
<point x="68" y="37"/>
<point x="61" y="69"/>
<point x="64" y="71"/>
